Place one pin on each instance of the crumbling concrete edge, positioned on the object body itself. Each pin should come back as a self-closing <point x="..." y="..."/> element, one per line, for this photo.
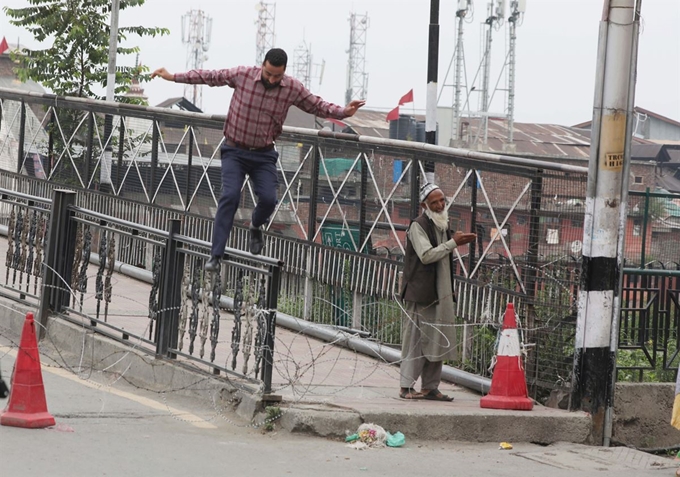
<point x="473" y="427"/>
<point x="137" y="367"/>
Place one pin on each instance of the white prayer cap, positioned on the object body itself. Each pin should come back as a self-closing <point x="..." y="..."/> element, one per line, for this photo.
<point x="426" y="190"/>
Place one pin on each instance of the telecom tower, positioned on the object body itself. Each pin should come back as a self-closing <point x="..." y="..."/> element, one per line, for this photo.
<point x="196" y="29"/>
<point x="495" y="12"/>
<point x="464" y="7"/>
<point x="264" y="41"/>
<point x="517" y="10"/>
<point x="357" y="78"/>
<point x="302" y="63"/>
<point x="304" y="68"/>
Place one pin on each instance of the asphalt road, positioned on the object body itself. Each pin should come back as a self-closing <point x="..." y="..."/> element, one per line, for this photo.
<point x="105" y="427"/>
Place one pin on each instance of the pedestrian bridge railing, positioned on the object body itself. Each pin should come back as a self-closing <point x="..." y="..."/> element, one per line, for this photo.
<point x="345" y="202"/>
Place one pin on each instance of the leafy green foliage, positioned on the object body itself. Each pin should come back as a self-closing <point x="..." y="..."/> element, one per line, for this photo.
<point x="633" y="365"/>
<point x="272" y="414"/>
<point x="76" y="33"/>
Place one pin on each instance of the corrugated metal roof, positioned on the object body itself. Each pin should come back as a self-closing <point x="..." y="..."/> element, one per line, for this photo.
<point x="181" y="102"/>
<point x="674" y="155"/>
<point x="12" y="82"/>
<point x="637" y="109"/>
<point x="645" y="151"/>
<point x="668" y="182"/>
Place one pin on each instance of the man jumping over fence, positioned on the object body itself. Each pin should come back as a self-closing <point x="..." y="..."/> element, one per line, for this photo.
<point x="262" y="97"/>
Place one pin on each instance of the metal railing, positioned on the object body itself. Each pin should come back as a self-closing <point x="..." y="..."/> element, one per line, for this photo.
<point x="345" y="202"/>
<point x="650" y="314"/>
<point x="184" y="317"/>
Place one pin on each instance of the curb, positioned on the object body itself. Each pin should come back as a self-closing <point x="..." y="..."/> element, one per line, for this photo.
<point x="140" y="369"/>
<point x="158" y="375"/>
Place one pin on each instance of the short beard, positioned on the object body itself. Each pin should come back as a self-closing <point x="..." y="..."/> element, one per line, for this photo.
<point x="440" y="219"/>
<point x="268" y="85"/>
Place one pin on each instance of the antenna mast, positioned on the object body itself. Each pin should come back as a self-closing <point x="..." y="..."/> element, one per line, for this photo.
<point x="464" y="6"/>
<point x="496" y="9"/>
<point x="196" y="30"/>
<point x="265" y="38"/>
<point x="302" y="67"/>
<point x="357" y="78"/>
<point x="517" y="9"/>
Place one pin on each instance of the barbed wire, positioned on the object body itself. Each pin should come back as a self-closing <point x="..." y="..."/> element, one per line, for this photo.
<point x="305" y="374"/>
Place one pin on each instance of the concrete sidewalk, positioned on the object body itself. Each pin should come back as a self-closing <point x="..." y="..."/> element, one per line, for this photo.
<point x="326" y="389"/>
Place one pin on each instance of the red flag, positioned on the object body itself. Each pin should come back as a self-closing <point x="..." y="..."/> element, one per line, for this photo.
<point x="407" y="98"/>
<point x="3" y="45"/>
<point x="393" y="115"/>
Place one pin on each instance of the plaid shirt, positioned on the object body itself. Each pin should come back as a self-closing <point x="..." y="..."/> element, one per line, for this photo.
<point x="256" y="114"/>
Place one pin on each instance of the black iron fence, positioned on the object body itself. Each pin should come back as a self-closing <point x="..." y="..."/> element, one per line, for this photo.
<point x="345" y="202"/>
<point x="650" y="315"/>
<point x="74" y="277"/>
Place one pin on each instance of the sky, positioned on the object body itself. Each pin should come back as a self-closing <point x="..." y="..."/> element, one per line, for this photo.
<point x="556" y="51"/>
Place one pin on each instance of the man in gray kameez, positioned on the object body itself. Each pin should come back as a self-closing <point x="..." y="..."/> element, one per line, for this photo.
<point x="429" y="336"/>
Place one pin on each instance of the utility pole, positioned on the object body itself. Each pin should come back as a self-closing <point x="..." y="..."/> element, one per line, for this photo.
<point x="432" y="73"/>
<point x="599" y="300"/>
<point x="105" y="170"/>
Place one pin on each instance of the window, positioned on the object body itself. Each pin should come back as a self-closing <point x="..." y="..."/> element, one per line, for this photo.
<point x="638" y="179"/>
<point x="496" y="236"/>
<point x="397" y="169"/>
<point x="637" y="229"/>
<point x="553" y="237"/>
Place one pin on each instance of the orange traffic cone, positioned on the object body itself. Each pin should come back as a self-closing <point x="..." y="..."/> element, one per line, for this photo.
<point x="27" y="406"/>
<point x="508" y="385"/>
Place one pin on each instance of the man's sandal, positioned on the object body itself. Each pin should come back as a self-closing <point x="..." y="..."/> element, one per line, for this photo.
<point x="407" y="393"/>
<point x="436" y="395"/>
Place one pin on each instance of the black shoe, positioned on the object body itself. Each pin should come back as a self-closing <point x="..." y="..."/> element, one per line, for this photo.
<point x="256" y="241"/>
<point x="212" y="265"/>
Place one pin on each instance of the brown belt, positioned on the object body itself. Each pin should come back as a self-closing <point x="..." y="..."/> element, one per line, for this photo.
<point x="231" y="143"/>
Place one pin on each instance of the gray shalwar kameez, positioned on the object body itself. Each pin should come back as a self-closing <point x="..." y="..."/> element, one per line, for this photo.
<point x="429" y="336"/>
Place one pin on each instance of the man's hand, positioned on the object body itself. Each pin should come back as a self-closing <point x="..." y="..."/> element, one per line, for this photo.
<point x="353" y="107"/>
<point x="163" y="73"/>
<point x="461" y="238"/>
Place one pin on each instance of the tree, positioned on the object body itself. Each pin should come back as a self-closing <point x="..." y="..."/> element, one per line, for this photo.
<point x="76" y="61"/>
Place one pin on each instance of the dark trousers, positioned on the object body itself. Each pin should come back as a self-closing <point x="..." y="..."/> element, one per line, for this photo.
<point x="236" y="163"/>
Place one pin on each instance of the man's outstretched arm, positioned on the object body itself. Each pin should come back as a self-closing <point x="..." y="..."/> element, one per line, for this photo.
<point x="210" y="77"/>
<point x="163" y="73"/>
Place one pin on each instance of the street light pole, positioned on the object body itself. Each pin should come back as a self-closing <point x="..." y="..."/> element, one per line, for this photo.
<point x="432" y="73"/>
<point x="105" y="171"/>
